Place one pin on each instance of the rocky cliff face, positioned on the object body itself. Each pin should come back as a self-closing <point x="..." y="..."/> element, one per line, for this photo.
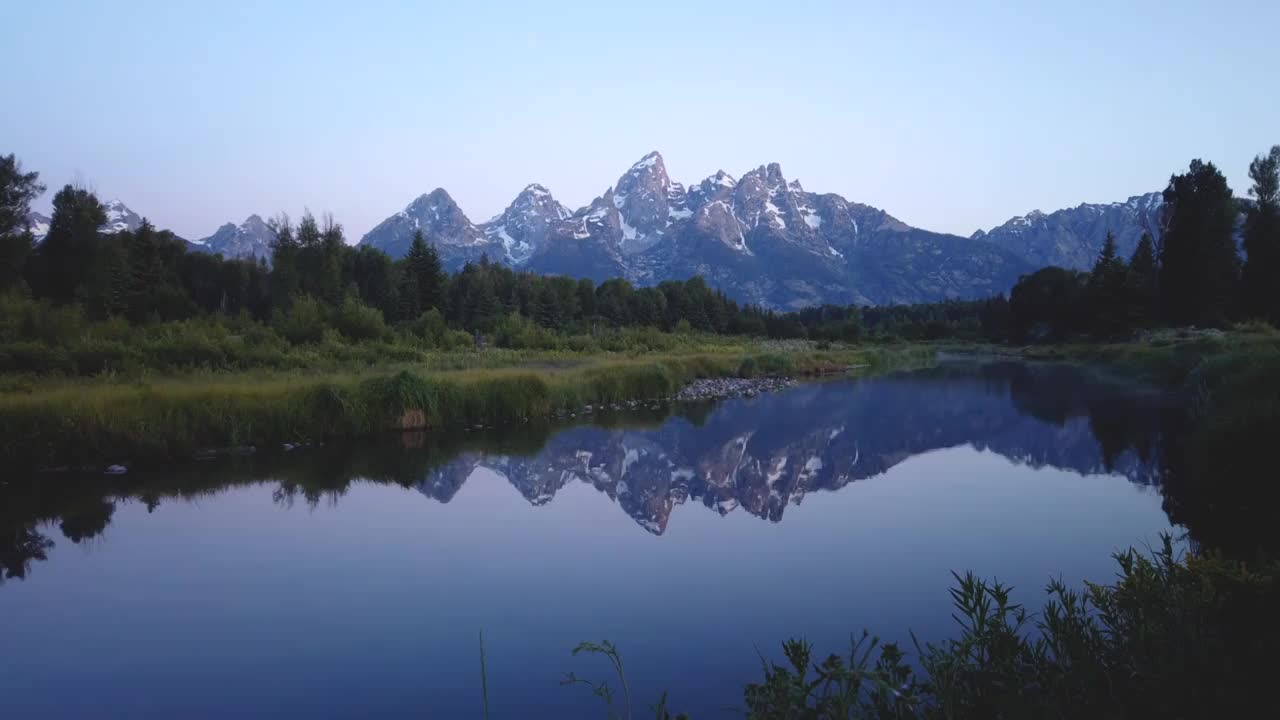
<point x="762" y="239"/>
<point x="1072" y="238"/>
<point x="250" y="239"/>
<point x="523" y="227"/>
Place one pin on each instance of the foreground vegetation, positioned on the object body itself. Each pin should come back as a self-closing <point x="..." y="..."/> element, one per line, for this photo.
<point x="146" y="421"/>
<point x="1172" y="637"/>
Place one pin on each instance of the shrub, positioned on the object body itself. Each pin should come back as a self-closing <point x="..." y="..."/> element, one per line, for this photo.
<point x="359" y="321"/>
<point x="49" y="324"/>
<point x="94" y="357"/>
<point x="34" y="357"/>
<point x="303" y="322"/>
<point x="1168" y="639"/>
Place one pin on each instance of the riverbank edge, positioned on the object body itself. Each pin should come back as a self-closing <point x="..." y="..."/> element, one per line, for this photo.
<point x="142" y="424"/>
<point x="1171" y="360"/>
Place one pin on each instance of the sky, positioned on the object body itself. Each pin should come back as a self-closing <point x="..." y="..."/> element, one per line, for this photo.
<point x="951" y="116"/>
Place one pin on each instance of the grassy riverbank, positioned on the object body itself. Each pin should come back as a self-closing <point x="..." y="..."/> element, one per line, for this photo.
<point x="70" y="422"/>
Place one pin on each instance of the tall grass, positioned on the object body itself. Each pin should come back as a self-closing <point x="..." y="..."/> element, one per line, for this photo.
<point x="77" y="422"/>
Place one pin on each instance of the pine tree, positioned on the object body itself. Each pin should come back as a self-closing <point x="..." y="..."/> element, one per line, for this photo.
<point x="423" y="263"/>
<point x="432" y="280"/>
<point x="544" y="310"/>
<point x="482" y="305"/>
<point x="407" y="307"/>
<point x="1261" y="274"/>
<point x="1107" y="296"/>
<point x="1199" y="265"/>
<point x="145" y="275"/>
<point x="1140" y="282"/>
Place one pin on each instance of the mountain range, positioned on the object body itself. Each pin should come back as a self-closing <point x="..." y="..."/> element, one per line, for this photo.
<point x="760" y="238"/>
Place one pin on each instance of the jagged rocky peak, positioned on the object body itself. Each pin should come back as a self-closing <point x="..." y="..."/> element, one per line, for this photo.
<point x="525" y="224"/>
<point x="433" y="206"/>
<point x="442" y="223"/>
<point x="721" y="183"/>
<point x="441" y="220"/>
<point x="250" y="239"/>
<point x="647" y="202"/>
<point x="763" y="199"/>
<point x="535" y="201"/>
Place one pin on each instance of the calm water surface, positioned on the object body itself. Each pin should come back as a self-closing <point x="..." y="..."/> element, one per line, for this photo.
<point x="353" y="582"/>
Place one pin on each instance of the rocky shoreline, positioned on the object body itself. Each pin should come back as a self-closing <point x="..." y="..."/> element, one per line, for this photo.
<point x="722" y="388"/>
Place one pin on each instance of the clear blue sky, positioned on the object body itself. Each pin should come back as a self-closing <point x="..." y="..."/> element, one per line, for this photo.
<point x="952" y="116"/>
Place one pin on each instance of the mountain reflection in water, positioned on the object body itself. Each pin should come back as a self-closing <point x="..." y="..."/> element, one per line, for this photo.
<point x="756" y="456"/>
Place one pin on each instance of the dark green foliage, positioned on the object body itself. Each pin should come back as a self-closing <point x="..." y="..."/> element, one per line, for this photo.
<point x="1047" y="304"/>
<point x="358" y="321"/>
<point x="838" y="687"/>
<point x="1261" y="274"/>
<point x="1108" y="294"/>
<point x="303" y="322"/>
<point x="1170" y="638"/>
<point x="65" y="261"/>
<point x="1141" y="284"/>
<point x="1199" y="266"/>
<point x="424" y="276"/>
<point x="285" y="274"/>
<point x="17" y="190"/>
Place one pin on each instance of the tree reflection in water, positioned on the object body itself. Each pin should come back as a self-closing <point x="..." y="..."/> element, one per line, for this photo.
<point x="758" y="455"/>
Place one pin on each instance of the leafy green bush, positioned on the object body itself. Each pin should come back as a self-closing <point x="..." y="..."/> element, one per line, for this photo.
<point x="22" y="318"/>
<point x="303" y="322"/>
<point x="358" y="321"/>
<point x="431" y="328"/>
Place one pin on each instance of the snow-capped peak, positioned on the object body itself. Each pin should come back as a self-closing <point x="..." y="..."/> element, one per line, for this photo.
<point x="648" y="161"/>
<point x="722" y="179"/>
<point x="522" y="227"/>
<point x="119" y="218"/>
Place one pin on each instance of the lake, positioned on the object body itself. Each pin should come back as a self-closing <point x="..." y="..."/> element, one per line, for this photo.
<point x="355" y="581"/>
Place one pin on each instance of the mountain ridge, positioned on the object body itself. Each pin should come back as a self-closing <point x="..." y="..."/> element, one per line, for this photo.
<point x="760" y="238"/>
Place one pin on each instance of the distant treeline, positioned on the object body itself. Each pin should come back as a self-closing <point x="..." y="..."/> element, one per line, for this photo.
<point x="317" y="284"/>
<point x="1195" y="275"/>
